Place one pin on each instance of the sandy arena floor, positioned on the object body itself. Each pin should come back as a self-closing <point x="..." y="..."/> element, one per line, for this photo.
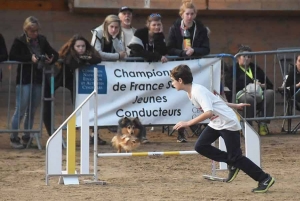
<point x="22" y="174"/>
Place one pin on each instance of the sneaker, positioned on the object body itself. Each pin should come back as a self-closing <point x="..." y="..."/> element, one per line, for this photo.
<point x="181" y="138"/>
<point x="263" y="129"/>
<point x="100" y="141"/>
<point x="233" y="172"/>
<point x="145" y="140"/>
<point x="16" y="143"/>
<point x="264" y="185"/>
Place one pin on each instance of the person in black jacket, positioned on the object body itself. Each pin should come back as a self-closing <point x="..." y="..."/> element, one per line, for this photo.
<point x="149" y="42"/>
<point x="198" y="34"/>
<point x="247" y="72"/>
<point x="3" y="53"/>
<point x="294" y="82"/>
<point x="76" y="53"/>
<point x="3" y="50"/>
<point x="29" y="47"/>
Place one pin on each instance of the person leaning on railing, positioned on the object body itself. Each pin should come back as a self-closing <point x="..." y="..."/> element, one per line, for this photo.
<point x="29" y="47"/>
<point x="149" y="42"/>
<point x="187" y="38"/>
<point x="294" y="84"/>
<point x="75" y="53"/>
<point x="248" y="73"/>
<point x="125" y="15"/>
<point x="107" y="39"/>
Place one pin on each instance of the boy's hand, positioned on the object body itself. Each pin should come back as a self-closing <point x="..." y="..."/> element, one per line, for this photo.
<point x="181" y="124"/>
<point x="240" y="106"/>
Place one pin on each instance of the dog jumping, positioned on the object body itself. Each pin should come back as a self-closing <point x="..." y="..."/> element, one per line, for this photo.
<point x="129" y="134"/>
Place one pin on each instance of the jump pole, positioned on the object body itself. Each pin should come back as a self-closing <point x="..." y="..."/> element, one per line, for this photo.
<point x="166" y="153"/>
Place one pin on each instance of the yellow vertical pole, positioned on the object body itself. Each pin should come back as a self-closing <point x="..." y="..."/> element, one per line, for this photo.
<point x="71" y="145"/>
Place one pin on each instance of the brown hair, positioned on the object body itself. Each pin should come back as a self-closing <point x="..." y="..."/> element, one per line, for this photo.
<point x="68" y="48"/>
<point x="152" y="17"/>
<point x="184" y="72"/>
<point x="187" y="4"/>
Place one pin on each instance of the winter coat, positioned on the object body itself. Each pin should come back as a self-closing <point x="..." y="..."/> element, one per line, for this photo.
<point x="71" y="63"/>
<point x="21" y="52"/>
<point x="200" y="42"/>
<point x="140" y="47"/>
<point x="3" y="50"/>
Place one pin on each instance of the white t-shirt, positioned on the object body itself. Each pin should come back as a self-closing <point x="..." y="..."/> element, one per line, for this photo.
<point x="223" y="116"/>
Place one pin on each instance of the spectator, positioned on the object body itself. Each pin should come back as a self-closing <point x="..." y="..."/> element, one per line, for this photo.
<point x="125" y="15"/>
<point x="3" y="53"/>
<point x="248" y="72"/>
<point x="3" y="50"/>
<point x="223" y="123"/>
<point x="29" y="47"/>
<point x="193" y="31"/>
<point x="107" y="39"/>
<point x="149" y="42"/>
<point x="76" y="53"/>
<point x="188" y="29"/>
<point x="294" y="84"/>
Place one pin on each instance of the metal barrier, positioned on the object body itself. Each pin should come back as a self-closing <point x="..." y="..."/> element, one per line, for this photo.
<point x="276" y="62"/>
<point x="8" y="101"/>
<point x="8" y="90"/>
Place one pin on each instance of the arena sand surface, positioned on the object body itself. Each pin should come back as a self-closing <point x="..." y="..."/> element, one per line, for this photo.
<point x="22" y="174"/>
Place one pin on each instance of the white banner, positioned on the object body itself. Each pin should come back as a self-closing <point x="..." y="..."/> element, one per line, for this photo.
<point x="143" y="89"/>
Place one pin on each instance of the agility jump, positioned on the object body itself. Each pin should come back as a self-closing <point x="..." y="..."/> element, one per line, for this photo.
<point x="54" y="152"/>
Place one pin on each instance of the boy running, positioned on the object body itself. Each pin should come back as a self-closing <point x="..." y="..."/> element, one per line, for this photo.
<point x="224" y="123"/>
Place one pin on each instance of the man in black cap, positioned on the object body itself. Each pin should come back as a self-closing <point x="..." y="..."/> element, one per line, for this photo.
<point x="125" y="15"/>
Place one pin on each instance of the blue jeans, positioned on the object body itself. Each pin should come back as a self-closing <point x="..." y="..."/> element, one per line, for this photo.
<point x="28" y="98"/>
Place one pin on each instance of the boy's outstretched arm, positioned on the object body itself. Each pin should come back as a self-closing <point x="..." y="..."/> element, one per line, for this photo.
<point x="238" y="106"/>
<point x="200" y="118"/>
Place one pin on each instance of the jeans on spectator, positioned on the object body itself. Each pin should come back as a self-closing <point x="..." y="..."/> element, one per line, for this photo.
<point x="28" y="98"/>
<point x="233" y="156"/>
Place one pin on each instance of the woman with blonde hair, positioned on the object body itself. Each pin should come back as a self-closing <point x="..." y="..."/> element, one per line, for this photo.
<point x="29" y="47"/>
<point x="188" y="36"/>
<point x="107" y="39"/>
<point x="149" y="42"/>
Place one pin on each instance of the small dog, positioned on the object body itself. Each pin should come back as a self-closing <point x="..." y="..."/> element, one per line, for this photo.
<point x="129" y="134"/>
